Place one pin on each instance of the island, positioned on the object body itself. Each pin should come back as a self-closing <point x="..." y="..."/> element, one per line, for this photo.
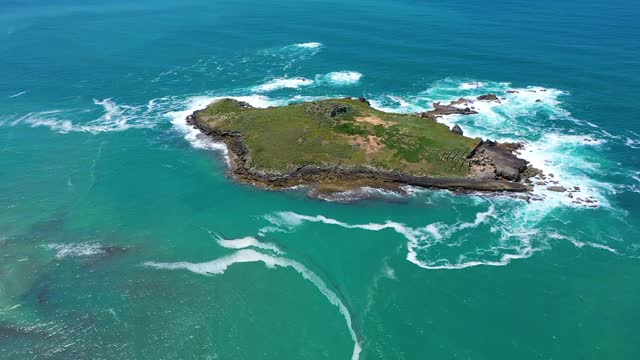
<point x="340" y="144"/>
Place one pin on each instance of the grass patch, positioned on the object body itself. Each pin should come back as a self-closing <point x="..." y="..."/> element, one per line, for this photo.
<point x="325" y="132"/>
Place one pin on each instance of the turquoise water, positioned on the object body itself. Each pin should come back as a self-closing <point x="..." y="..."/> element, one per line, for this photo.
<point x="122" y="237"/>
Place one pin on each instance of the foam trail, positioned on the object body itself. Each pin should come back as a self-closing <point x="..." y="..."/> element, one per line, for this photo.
<point x="18" y="94"/>
<point x="632" y="143"/>
<point x="246" y="242"/>
<point x="115" y="117"/>
<point x="580" y="244"/>
<point x="515" y="227"/>
<point x="414" y="236"/>
<point x="220" y="265"/>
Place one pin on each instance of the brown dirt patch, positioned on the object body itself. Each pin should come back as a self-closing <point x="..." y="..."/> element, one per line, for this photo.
<point x="371" y="144"/>
<point x="374" y="120"/>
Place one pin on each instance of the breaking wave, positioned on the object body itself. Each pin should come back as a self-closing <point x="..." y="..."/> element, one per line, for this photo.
<point x="283" y="83"/>
<point x="309" y="45"/>
<point x="567" y="148"/>
<point x="340" y="78"/>
<point x="245" y="254"/>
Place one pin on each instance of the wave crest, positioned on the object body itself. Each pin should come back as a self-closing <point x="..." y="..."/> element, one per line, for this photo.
<point x="245" y="255"/>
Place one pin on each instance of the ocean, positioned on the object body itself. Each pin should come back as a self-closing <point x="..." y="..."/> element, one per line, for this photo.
<point x="122" y="236"/>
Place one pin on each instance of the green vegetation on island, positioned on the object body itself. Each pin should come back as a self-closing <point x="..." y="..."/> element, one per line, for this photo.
<point x="343" y="132"/>
<point x="338" y="144"/>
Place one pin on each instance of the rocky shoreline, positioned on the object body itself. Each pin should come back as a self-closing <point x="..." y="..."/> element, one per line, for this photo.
<point x="494" y="167"/>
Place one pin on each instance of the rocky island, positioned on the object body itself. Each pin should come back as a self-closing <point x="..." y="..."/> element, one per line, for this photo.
<point x="341" y="144"/>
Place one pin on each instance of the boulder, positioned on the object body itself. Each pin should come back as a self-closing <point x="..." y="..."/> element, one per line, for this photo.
<point x="493" y="160"/>
<point x="488" y="97"/>
<point x="439" y="109"/>
<point x="557" y="188"/>
<point x="327" y="109"/>
<point x="461" y="101"/>
<point x="456" y="130"/>
<point x="363" y="100"/>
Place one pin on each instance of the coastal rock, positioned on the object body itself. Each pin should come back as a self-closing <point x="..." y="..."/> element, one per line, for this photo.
<point x="330" y="109"/>
<point x="557" y="188"/>
<point x="428" y="115"/>
<point x="491" y="160"/>
<point x="363" y="100"/>
<point x="510" y="146"/>
<point x="457" y="130"/>
<point x="439" y="109"/>
<point x="451" y="109"/>
<point x="513" y="92"/>
<point x="488" y="97"/>
<point x="461" y="101"/>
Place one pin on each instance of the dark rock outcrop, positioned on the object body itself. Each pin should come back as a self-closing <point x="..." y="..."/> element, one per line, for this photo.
<point x="363" y="100"/>
<point x="461" y="101"/>
<point x="457" y="130"/>
<point x="488" y="97"/>
<point x="330" y="110"/>
<point x="439" y="110"/>
<point x="491" y="160"/>
<point x="557" y="188"/>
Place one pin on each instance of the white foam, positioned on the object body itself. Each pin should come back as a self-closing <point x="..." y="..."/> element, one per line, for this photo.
<point x="580" y="244"/>
<point x="472" y="85"/>
<point x="340" y="78"/>
<point x="512" y="119"/>
<point x="309" y="45"/>
<point x="283" y="83"/>
<point x="364" y="192"/>
<point x="418" y="238"/>
<point x="115" y="117"/>
<point x="632" y="143"/>
<point x="220" y="265"/>
<point x="76" y="249"/>
<point x="403" y="103"/>
<point x="515" y="222"/>
<point x="556" y="154"/>
<point x="196" y="138"/>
